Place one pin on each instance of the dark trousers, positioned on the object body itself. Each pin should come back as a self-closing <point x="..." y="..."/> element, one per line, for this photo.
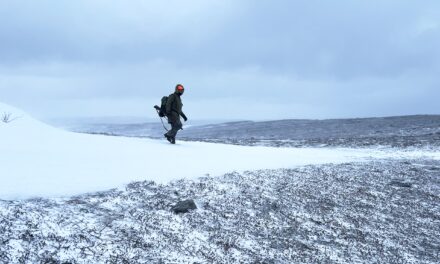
<point x="175" y="126"/>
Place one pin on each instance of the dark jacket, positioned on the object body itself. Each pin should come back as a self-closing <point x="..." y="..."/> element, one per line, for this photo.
<point x="174" y="108"/>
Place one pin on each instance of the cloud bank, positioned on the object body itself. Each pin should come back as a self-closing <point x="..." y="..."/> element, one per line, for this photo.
<point x="237" y="59"/>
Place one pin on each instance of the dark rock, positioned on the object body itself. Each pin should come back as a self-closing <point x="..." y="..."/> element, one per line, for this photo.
<point x="184" y="206"/>
<point x="400" y="184"/>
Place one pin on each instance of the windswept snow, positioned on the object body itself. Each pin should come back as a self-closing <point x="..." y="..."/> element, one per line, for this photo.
<point x="39" y="160"/>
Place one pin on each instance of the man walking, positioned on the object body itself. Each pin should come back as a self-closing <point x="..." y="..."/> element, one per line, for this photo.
<point x="174" y="112"/>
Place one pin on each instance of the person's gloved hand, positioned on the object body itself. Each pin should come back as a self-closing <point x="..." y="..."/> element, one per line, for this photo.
<point x="184" y="117"/>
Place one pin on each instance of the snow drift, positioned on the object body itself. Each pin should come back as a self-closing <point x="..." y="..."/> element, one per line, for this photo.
<point x="40" y="160"/>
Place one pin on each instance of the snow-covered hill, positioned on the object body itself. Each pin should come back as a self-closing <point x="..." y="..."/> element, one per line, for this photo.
<point x="39" y="160"/>
<point x="374" y="205"/>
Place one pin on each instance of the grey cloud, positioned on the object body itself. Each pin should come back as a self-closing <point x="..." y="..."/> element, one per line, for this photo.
<point x="305" y="58"/>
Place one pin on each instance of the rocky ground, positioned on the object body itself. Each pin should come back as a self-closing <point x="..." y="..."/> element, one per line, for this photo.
<point x="382" y="211"/>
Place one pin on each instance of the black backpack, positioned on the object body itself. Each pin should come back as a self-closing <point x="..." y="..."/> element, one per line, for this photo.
<point x="163" y="106"/>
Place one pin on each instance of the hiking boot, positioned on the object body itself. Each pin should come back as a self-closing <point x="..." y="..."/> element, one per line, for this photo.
<point x="168" y="138"/>
<point x="173" y="140"/>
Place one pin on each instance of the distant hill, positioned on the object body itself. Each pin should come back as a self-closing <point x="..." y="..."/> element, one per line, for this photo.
<point x="308" y="129"/>
<point x="398" y="131"/>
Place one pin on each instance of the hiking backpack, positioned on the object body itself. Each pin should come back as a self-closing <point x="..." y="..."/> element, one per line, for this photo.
<point x="163" y="106"/>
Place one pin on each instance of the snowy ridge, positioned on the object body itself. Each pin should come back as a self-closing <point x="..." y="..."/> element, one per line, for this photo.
<point x="48" y="162"/>
<point x="21" y="122"/>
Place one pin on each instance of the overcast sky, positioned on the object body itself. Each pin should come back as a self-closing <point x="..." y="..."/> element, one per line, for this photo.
<point x="238" y="59"/>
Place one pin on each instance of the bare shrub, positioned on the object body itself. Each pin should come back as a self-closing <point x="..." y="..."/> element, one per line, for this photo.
<point x="7" y="118"/>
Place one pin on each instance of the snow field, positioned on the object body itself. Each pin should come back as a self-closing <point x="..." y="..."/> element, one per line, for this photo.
<point x="37" y="160"/>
